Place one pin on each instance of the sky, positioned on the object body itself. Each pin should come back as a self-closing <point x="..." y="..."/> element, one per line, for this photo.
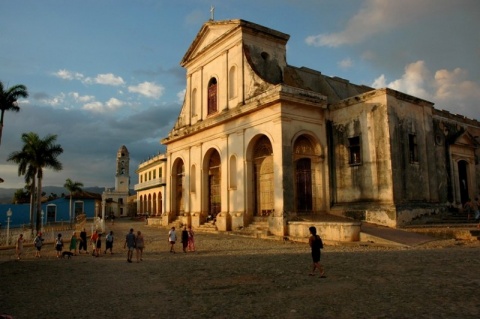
<point x="106" y="73"/>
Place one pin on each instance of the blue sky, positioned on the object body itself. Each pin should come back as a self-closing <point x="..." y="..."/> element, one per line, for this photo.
<point x="106" y="73"/>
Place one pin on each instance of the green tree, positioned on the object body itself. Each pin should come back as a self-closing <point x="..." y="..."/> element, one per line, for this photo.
<point x="72" y="187"/>
<point x="36" y="155"/>
<point x="8" y="101"/>
<point x="21" y="196"/>
<point x="26" y="168"/>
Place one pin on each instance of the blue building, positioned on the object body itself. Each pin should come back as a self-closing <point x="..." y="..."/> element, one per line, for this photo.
<point x="54" y="211"/>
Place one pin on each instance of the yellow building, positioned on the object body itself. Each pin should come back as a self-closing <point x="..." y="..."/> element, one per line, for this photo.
<point x="151" y="186"/>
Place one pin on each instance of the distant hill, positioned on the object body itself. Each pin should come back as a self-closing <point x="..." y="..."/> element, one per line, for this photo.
<point x="6" y="194"/>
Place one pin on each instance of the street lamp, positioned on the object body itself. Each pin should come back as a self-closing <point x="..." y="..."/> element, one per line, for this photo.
<point x="9" y="214"/>
<point x="41" y="222"/>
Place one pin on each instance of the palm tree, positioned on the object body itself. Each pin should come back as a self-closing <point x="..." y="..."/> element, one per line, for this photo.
<point x="36" y="155"/>
<point x="8" y="101"/>
<point x="24" y="159"/>
<point x="72" y="187"/>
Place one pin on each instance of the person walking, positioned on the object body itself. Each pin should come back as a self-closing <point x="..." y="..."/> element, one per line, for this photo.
<point x="93" y="242"/>
<point x="83" y="242"/>
<point x="73" y="243"/>
<point x="98" y="245"/>
<point x="184" y="239"/>
<point x="19" y="246"/>
<point x="38" y="243"/>
<point x="316" y="244"/>
<point x="59" y="245"/>
<point x="191" y="239"/>
<point x="172" y="238"/>
<point x="109" y="243"/>
<point x="139" y="246"/>
<point x="130" y="244"/>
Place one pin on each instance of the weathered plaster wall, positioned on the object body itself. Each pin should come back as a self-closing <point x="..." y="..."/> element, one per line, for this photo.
<point x="371" y="179"/>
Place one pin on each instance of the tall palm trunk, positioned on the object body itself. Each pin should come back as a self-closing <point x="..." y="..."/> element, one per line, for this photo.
<point x="32" y="202"/>
<point x="39" y="204"/>
<point x="70" y="209"/>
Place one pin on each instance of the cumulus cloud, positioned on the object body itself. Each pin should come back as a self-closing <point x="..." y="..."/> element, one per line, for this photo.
<point x="181" y="96"/>
<point x="98" y="107"/>
<point x="81" y="98"/>
<point x="375" y="16"/>
<point x="345" y="63"/>
<point x="109" y="79"/>
<point x="68" y="75"/>
<point x="54" y="101"/>
<point x="449" y="90"/>
<point x="114" y="104"/>
<point x="148" y="89"/>
<point x="94" y="107"/>
<point x="104" y="79"/>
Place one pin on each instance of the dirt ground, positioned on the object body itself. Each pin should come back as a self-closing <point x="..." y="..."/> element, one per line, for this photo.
<point x="238" y="277"/>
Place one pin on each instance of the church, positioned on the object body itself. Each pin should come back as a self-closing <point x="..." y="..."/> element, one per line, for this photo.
<point x="115" y="201"/>
<point x="259" y="139"/>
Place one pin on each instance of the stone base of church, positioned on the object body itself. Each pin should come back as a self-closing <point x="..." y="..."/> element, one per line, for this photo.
<point x="277" y="225"/>
<point x="238" y="221"/>
<point x="341" y="231"/>
<point x="223" y="221"/>
<point x="196" y="220"/>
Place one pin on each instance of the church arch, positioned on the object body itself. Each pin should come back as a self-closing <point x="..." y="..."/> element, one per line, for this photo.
<point x="178" y="184"/>
<point x="212" y="96"/>
<point x="262" y="184"/>
<point x="149" y="203"/>
<point x="213" y="181"/>
<point x="154" y="208"/>
<point x="307" y="171"/>
<point x="160" y="204"/>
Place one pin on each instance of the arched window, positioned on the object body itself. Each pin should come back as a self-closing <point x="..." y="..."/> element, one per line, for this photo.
<point x="212" y="96"/>
<point x="232" y="83"/>
<point x="194" y="102"/>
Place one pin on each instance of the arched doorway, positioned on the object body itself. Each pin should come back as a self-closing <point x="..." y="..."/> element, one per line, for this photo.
<point x="178" y="174"/>
<point x="307" y="185"/>
<point x="463" y="180"/>
<point x="214" y="184"/>
<point x="160" y="204"/>
<point x="303" y="171"/>
<point x="263" y="177"/>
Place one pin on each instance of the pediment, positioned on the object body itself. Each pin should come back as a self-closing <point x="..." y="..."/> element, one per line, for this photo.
<point x="466" y="139"/>
<point x="210" y="33"/>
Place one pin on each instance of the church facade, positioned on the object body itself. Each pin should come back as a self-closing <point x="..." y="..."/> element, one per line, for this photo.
<point x="257" y="138"/>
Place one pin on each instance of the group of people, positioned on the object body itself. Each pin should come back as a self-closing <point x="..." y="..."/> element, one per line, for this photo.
<point x="96" y="242"/>
<point x="188" y="240"/>
<point x="134" y="242"/>
<point x="37" y="243"/>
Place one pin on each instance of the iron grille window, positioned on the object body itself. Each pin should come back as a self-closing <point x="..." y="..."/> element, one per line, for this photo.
<point x="355" y="150"/>
<point x="413" y="148"/>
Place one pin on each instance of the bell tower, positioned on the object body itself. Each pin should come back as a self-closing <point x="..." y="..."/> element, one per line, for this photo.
<point x="122" y="176"/>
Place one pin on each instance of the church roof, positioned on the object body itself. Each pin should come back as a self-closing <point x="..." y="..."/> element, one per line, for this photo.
<point x="213" y="31"/>
<point x="334" y="88"/>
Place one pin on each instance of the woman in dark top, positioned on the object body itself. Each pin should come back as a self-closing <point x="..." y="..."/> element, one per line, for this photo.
<point x="316" y="244"/>
<point x="83" y="241"/>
